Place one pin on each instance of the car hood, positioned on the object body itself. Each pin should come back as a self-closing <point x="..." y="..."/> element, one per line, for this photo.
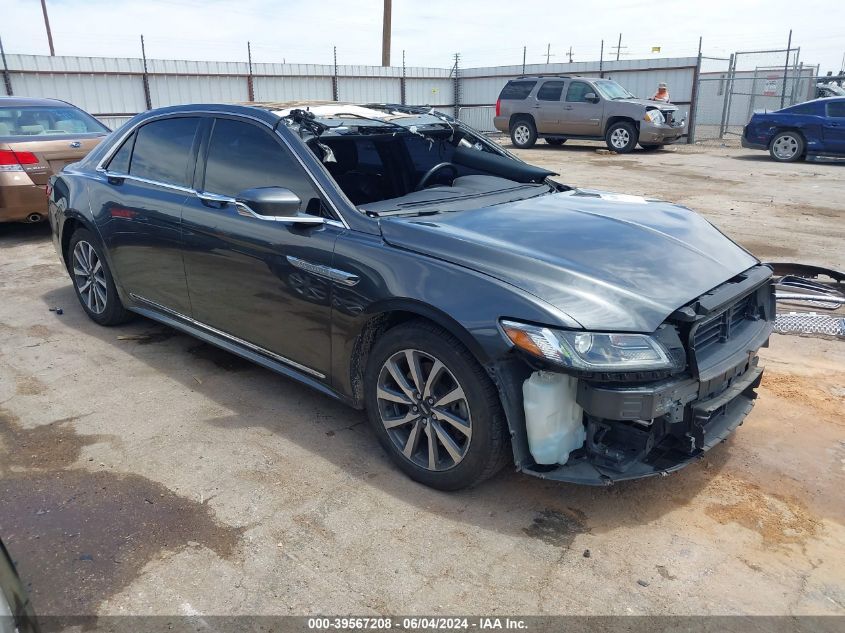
<point x="647" y="103"/>
<point x="609" y="261"/>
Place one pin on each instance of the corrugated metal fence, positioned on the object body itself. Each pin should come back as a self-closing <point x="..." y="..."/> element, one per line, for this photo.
<point x="114" y="89"/>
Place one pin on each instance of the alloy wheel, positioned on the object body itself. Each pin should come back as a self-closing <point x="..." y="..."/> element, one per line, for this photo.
<point x="424" y="410"/>
<point x="785" y="147"/>
<point x="620" y="138"/>
<point x="521" y="134"/>
<point x="89" y="276"/>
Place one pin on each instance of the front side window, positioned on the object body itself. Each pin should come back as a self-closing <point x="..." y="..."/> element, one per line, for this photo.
<point x="48" y="121"/>
<point x="577" y="91"/>
<point x="836" y="109"/>
<point x="244" y="156"/>
<point x="550" y="91"/>
<point x="164" y="151"/>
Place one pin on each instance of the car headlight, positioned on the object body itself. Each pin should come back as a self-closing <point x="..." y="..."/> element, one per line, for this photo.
<point x="590" y="351"/>
<point x="655" y="116"/>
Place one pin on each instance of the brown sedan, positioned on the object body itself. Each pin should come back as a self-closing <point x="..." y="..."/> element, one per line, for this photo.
<point x="37" y="138"/>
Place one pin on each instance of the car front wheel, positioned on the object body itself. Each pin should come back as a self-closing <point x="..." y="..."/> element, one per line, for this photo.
<point x="787" y="147"/>
<point x="433" y="407"/>
<point x="93" y="281"/>
<point x="621" y="137"/>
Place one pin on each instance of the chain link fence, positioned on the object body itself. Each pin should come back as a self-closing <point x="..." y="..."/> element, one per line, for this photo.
<point x="749" y="82"/>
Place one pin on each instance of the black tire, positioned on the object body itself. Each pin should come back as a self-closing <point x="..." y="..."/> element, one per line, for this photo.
<point x="523" y="133"/>
<point x="650" y="147"/>
<point x="112" y="312"/>
<point x="619" y="132"/>
<point x="556" y="141"/>
<point x="787" y="147"/>
<point x="487" y="448"/>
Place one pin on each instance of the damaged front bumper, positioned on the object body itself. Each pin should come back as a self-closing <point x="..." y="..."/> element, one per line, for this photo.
<point x="624" y="443"/>
<point x="642" y="429"/>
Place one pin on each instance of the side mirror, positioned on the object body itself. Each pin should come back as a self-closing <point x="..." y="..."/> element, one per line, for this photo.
<point x="591" y="97"/>
<point x="273" y="203"/>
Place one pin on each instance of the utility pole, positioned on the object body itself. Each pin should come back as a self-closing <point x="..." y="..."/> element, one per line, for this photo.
<point x="334" y="77"/>
<point x="145" y="78"/>
<point x="601" y="60"/>
<point x="6" y="79"/>
<point x="457" y="86"/>
<point x="47" y="25"/>
<point x="569" y="54"/>
<point x="402" y="91"/>
<point x="385" y="34"/>
<point x="524" y="51"/>
<point x="548" y="52"/>
<point x="619" y="47"/>
<point x="250" y="84"/>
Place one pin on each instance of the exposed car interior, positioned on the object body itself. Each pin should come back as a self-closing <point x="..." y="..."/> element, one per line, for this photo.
<point x="385" y="166"/>
<point x="44" y="121"/>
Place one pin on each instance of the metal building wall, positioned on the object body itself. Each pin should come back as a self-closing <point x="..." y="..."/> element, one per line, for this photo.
<point x="113" y="88"/>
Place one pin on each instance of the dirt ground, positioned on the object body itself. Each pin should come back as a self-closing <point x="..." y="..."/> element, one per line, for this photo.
<point x="142" y="471"/>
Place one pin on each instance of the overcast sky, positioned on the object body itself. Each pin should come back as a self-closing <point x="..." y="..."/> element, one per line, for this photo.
<point x="430" y="31"/>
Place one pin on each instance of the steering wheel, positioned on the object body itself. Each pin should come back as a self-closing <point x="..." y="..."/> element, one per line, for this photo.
<point x="430" y="173"/>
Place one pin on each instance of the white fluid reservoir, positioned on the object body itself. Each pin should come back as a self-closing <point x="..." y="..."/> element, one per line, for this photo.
<point x="553" y="418"/>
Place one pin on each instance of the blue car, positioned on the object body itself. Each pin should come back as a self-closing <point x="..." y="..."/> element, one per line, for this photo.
<point x="814" y="127"/>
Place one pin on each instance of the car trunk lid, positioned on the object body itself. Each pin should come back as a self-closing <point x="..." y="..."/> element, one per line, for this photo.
<point x="52" y="154"/>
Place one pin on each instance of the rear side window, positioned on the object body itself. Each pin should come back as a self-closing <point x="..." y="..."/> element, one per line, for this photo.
<point x="577" y="91"/>
<point x="163" y="151"/>
<point x="804" y="108"/>
<point x="836" y="109"/>
<point x="119" y="163"/>
<point x="517" y="89"/>
<point x="550" y="91"/>
<point x="243" y="156"/>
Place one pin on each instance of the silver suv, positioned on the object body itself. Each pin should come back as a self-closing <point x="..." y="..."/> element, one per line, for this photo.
<point x="564" y="107"/>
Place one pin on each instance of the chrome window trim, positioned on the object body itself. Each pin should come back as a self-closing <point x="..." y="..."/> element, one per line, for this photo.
<point x="187" y="113"/>
<point x="147" y="181"/>
<point x="234" y="339"/>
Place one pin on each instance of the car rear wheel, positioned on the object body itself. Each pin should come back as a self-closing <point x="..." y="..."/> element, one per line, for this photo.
<point x="787" y="147"/>
<point x="433" y="408"/>
<point x="523" y="133"/>
<point x="555" y="141"/>
<point x="621" y="137"/>
<point x="93" y="281"/>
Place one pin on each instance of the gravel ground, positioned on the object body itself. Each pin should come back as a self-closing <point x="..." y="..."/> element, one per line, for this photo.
<point x="142" y="471"/>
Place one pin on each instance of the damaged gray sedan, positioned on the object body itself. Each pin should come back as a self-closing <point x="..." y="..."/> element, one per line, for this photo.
<point x="395" y="259"/>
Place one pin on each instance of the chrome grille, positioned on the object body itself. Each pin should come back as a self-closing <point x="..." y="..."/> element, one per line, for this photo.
<point x="718" y="329"/>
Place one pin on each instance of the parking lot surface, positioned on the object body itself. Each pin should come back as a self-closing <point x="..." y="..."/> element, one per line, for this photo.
<point x="142" y="471"/>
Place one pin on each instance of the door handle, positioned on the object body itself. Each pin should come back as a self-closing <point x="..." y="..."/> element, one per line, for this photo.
<point x="567" y="107"/>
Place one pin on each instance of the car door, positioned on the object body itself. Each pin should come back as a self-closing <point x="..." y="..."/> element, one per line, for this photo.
<point x="833" y="128"/>
<point x="580" y="117"/>
<point x="548" y="106"/>
<point x="138" y="205"/>
<point x="263" y="282"/>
